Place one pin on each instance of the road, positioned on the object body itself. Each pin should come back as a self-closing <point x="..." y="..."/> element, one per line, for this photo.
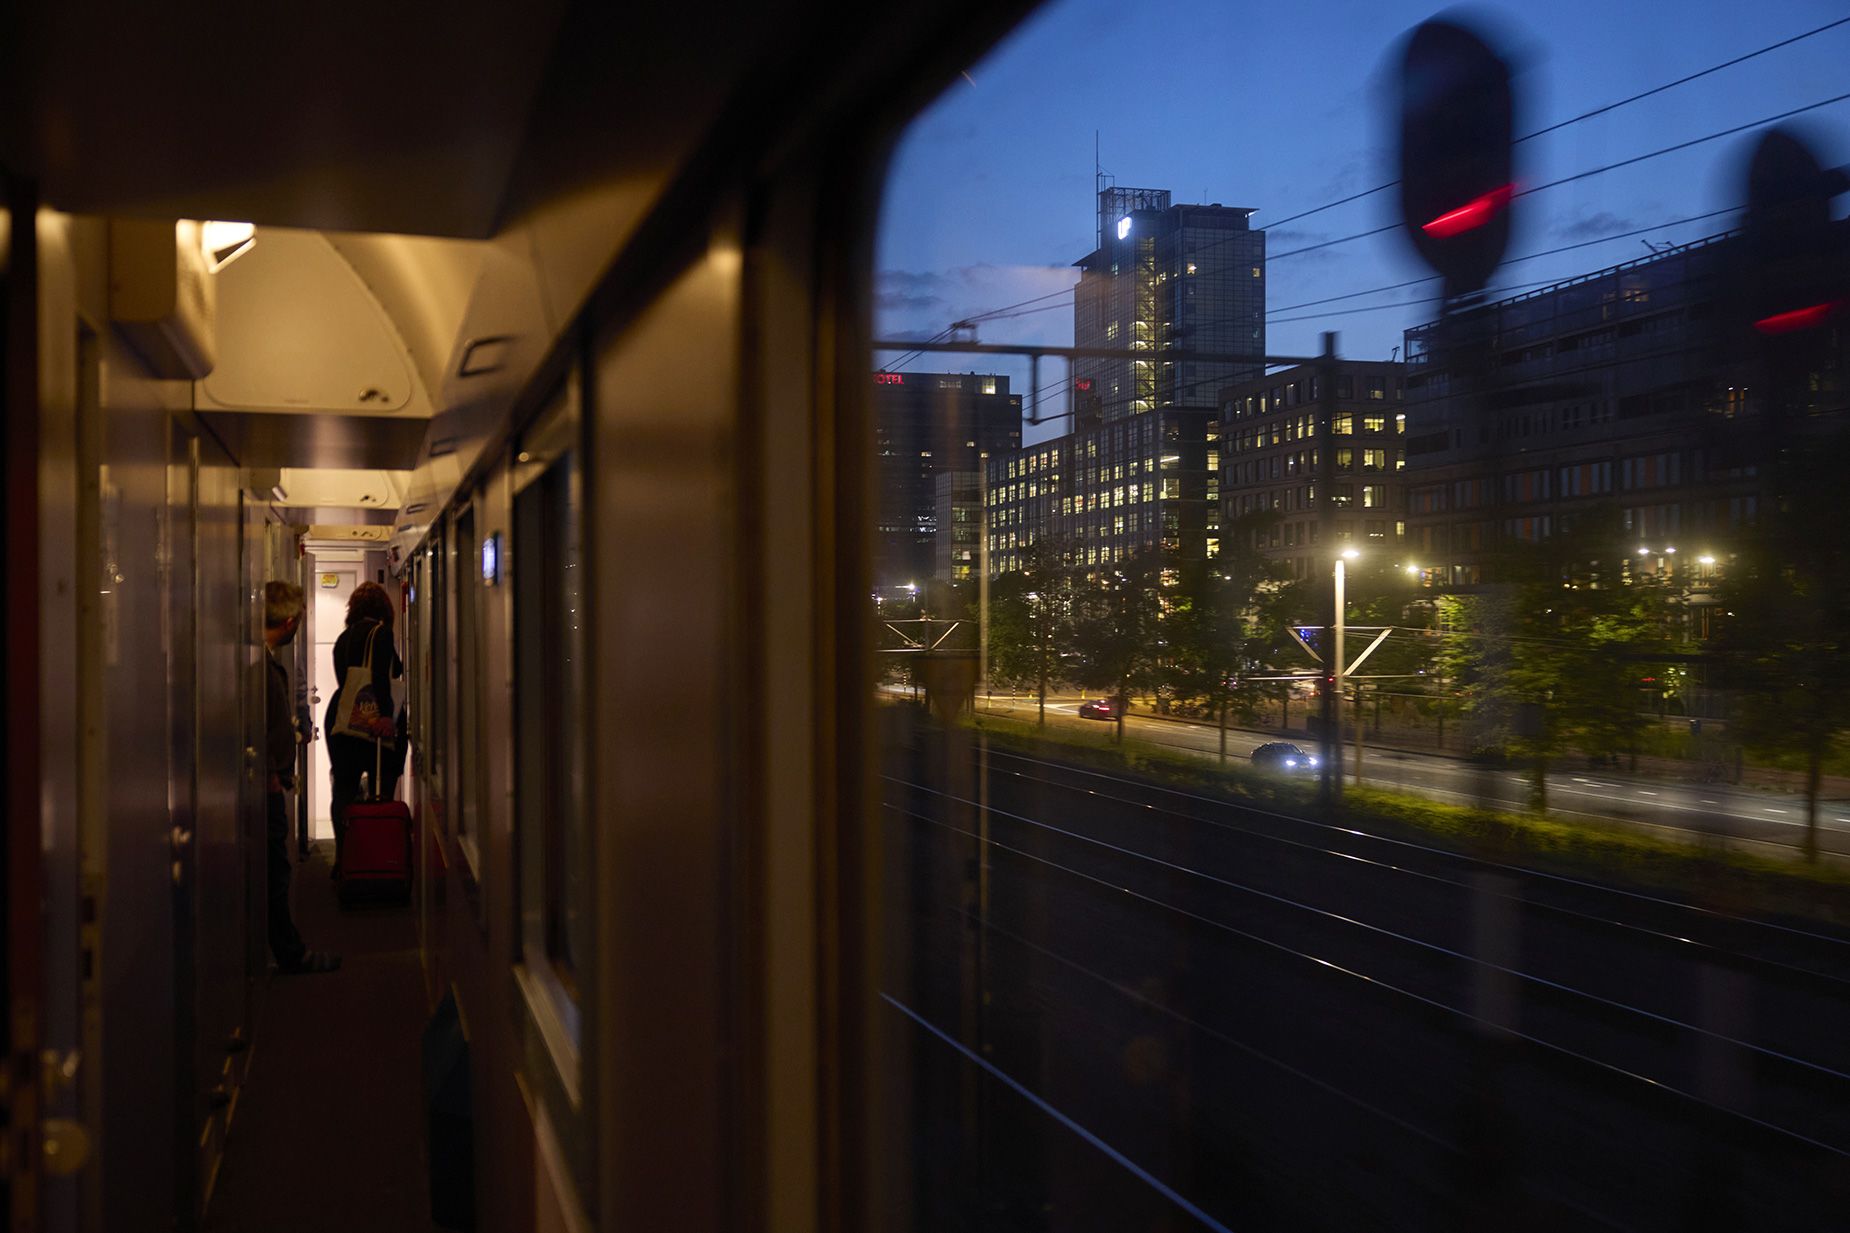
<point x="1754" y="819"/>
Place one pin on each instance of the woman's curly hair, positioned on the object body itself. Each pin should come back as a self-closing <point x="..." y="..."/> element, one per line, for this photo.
<point x="369" y="602"/>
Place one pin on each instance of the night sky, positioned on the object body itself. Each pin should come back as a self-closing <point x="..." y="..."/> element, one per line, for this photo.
<point x="1284" y="107"/>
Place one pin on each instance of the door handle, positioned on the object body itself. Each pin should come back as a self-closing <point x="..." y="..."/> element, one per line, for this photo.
<point x="63" y="1141"/>
<point x="65" y="1144"/>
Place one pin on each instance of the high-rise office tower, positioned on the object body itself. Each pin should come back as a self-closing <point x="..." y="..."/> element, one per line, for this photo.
<point x="1167" y="279"/>
<point x="927" y="424"/>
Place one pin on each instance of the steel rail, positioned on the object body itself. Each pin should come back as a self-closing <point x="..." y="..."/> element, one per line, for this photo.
<point x="1388" y="986"/>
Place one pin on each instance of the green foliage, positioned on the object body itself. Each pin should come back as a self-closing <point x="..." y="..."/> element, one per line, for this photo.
<point x="1031" y="619"/>
<point x="1550" y="658"/>
<point x="1117" y="643"/>
<point x="1014" y="653"/>
<point x="1787" y="610"/>
<point x="1211" y="628"/>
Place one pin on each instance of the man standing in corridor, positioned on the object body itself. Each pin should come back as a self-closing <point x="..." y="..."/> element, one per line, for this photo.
<point x="282" y="616"/>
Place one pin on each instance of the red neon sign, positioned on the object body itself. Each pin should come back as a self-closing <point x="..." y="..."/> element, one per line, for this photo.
<point x="1798" y="319"/>
<point x="889" y="378"/>
<point x="1470" y="215"/>
<point x="1083" y="385"/>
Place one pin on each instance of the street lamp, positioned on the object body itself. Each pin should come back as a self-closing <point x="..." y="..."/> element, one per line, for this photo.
<point x="1333" y="684"/>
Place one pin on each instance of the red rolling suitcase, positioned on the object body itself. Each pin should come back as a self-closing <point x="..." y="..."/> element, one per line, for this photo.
<point x="376" y="854"/>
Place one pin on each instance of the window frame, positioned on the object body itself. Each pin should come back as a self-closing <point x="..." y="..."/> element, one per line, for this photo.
<point x="557" y="999"/>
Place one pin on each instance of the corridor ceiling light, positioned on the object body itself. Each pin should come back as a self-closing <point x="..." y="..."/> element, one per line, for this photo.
<point x="223" y="243"/>
<point x="1705" y="560"/>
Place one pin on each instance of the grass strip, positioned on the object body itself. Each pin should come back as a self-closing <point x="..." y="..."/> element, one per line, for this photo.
<point x="1704" y="871"/>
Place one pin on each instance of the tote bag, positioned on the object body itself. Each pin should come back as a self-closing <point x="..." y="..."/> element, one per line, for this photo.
<point x="365" y="712"/>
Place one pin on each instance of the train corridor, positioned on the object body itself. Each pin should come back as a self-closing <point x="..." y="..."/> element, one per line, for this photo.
<point x="328" y="1132"/>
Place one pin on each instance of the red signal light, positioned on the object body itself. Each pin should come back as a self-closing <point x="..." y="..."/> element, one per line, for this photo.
<point x="1471" y="215"/>
<point x="1798" y="319"/>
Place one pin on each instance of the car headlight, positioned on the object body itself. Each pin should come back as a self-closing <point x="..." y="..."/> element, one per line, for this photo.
<point x="1291" y="761"/>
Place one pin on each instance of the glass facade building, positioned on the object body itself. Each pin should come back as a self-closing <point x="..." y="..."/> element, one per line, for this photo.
<point x="1166" y="279"/>
<point x="925" y="425"/>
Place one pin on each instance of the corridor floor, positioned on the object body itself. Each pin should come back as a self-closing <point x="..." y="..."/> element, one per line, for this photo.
<point x="328" y="1134"/>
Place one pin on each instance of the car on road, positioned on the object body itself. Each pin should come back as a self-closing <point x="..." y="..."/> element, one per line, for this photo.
<point x="1098" y="708"/>
<point x="1285" y="757"/>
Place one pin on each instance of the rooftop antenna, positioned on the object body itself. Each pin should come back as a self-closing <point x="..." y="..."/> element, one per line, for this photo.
<point x="1394" y="356"/>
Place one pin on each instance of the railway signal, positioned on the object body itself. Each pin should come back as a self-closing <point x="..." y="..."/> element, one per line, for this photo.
<point x="1794" y="283"/>
<point x="1457" y="132"/>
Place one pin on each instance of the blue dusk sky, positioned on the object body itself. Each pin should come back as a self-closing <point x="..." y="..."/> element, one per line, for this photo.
<point x="1284" y="107"/>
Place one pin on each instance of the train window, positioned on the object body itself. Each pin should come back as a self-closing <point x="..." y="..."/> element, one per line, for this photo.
<point x="1203" y="905"/>
<point x="552" y="836"/>
<point x="414" y="645"/>
<point x="436" y="674"/>
<point x="469" y="771"/>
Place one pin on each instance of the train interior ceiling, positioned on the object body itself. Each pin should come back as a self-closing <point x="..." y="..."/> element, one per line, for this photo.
<point x="265" y="276"/>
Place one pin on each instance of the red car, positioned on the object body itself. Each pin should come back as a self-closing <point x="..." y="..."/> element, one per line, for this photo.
<point x="1100" y="708"/>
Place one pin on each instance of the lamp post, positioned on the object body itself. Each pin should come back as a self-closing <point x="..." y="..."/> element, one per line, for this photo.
<point x="1332" y="779"/>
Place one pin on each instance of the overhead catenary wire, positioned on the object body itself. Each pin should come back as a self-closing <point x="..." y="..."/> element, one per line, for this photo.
<point x="1572" y="120"/>
<point x="1588" y="115"/>
<point x="1430" y="299"/>
<point x="1683" y="145"/>
<point x="1004" y="313"/>
<point x="1670" y="85"/>
<point x="1594" y="171"/>
<point x="1008" y="310"/>
<point x="1546" y="252"/>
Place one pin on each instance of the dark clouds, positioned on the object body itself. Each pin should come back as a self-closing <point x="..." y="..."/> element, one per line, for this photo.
<point x="904" y="296"/>
<point x="1593" y="226"/>
<point x="900" y="302"/>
